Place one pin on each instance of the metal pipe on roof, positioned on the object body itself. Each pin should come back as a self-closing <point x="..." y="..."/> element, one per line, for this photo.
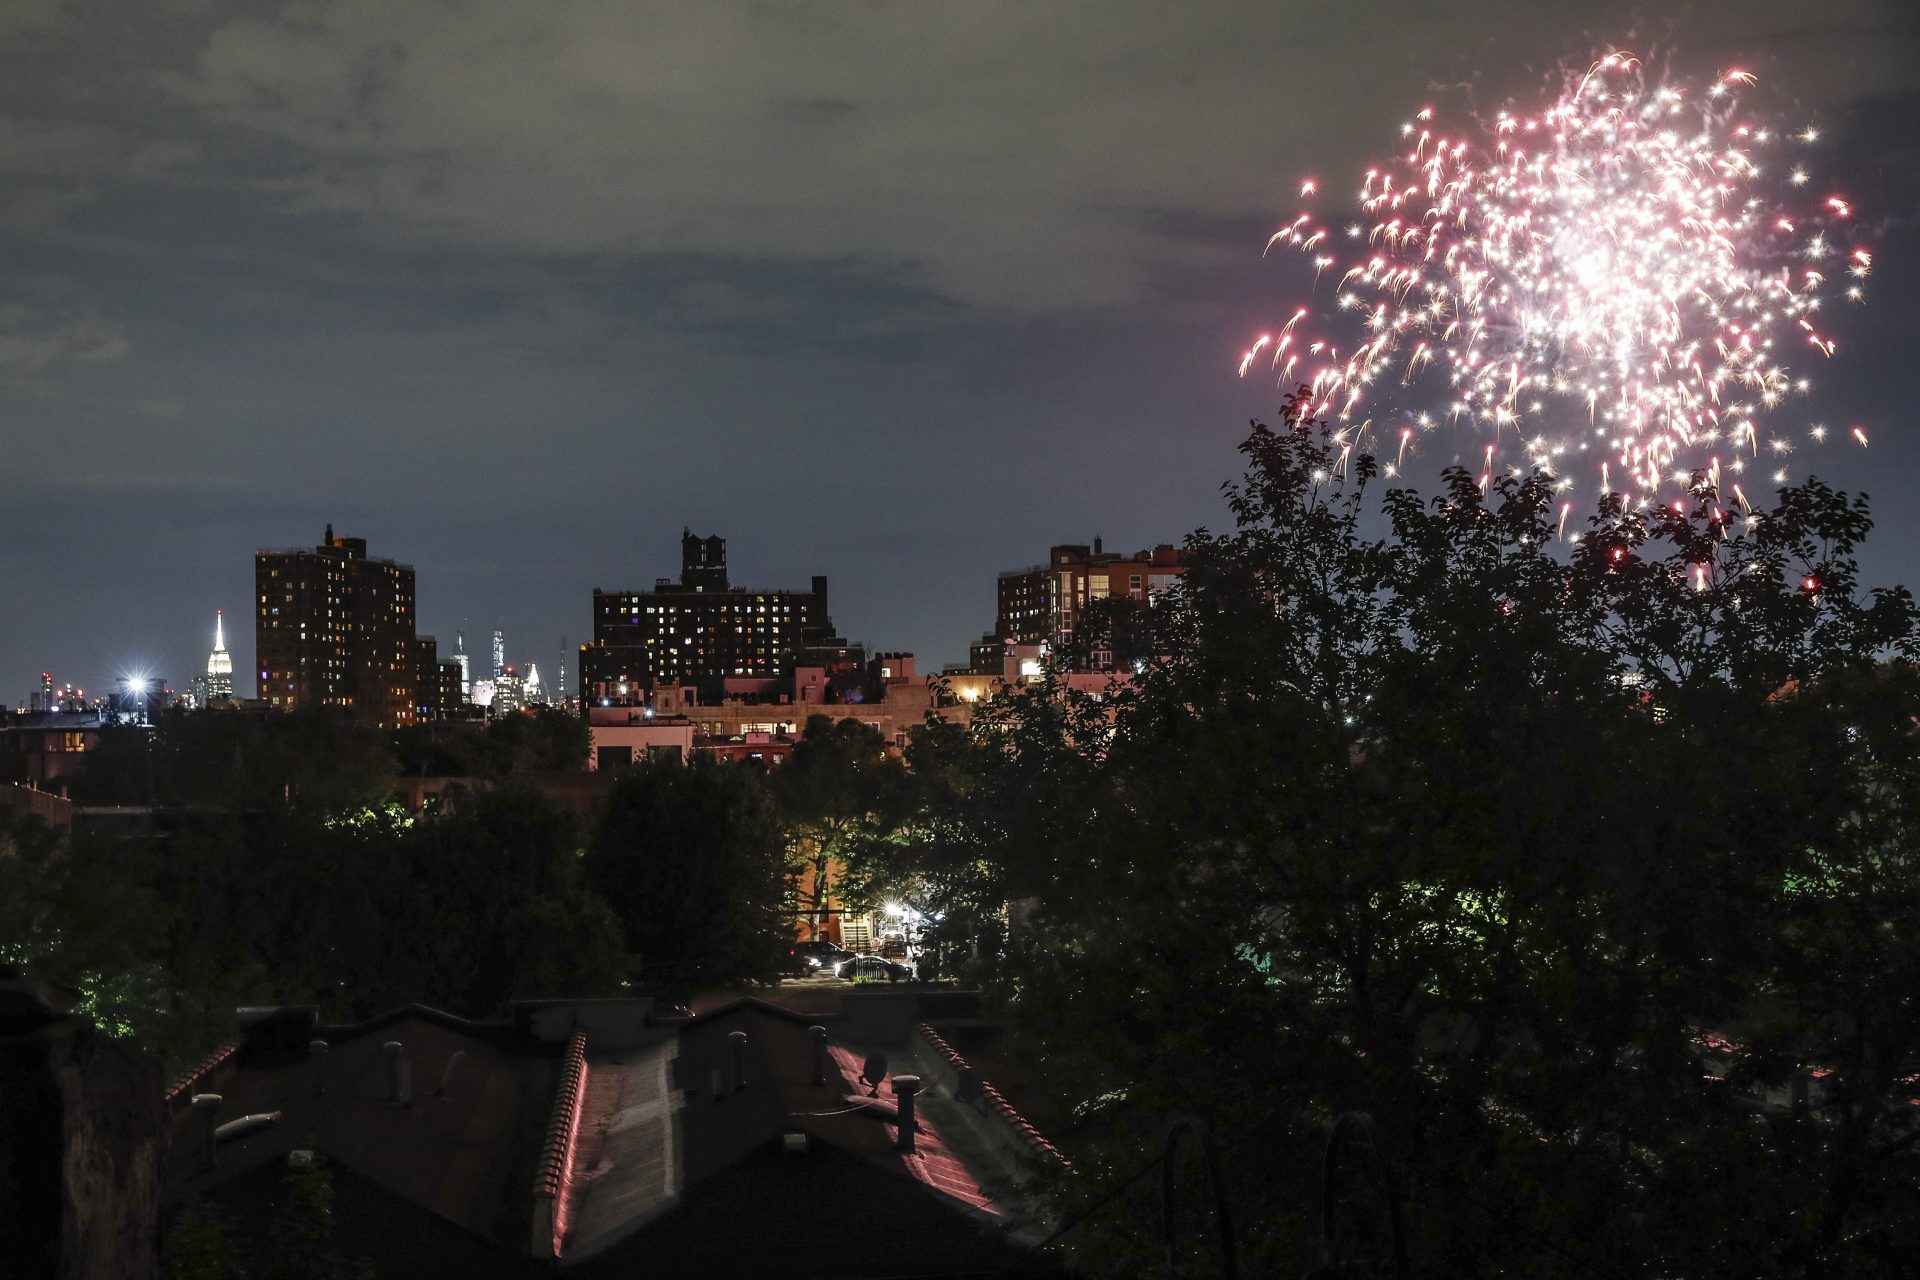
<point x="738" y="1039"/>
<point x="904" y="1089"/>
<point x="399" y="1074"/>
<point x="245" y="1125"/>
<point x="817" y="1035"/>
<point x="206" y="1121"/>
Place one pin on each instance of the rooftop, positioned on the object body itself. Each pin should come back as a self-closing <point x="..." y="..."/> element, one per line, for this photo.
<point x="654" y="1140"/>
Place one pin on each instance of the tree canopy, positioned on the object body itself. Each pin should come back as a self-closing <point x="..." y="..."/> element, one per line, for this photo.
<point x="839" y="792"/>
<point x="691" y="857"/>
<point x="1563" y="857"/>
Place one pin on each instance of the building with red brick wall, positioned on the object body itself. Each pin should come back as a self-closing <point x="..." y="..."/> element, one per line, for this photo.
<point x="1043" y="604"/>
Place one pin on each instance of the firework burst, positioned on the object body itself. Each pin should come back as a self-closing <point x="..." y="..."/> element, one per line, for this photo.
<point x="1632" y="275"/>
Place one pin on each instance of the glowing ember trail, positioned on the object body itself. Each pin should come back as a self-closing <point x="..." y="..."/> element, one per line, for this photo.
<point x="1628" y="274"/>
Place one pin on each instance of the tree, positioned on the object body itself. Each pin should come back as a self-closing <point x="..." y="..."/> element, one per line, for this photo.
<point x="82" y="911"/>
<point x="365" y="909"/>
<point x="1434" y="816"/>
<point x="201" y="1244"/>
<point x="303" y="1244"/>
<point x="538" y="740"/>
<point x="499" y="907"/>
<point x="839" y="793"/>
<point x="691" y="858"/>
<point x="319" y="757"/>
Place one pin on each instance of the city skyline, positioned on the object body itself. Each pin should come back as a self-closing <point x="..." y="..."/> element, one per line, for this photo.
<point x="906" y="310"/>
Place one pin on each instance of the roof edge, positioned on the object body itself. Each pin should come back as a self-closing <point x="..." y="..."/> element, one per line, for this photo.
<point x="554" y="1172"/>
<point x="997" y="1103"/>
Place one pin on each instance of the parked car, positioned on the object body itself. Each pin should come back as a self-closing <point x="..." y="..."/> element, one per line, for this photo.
<point x="873" y="968"/>
<point x="892" y="948"/>
<point x="814" y="955"/>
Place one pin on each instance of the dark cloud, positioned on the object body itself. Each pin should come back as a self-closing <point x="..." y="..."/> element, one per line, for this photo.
<point x="897" y="292"/>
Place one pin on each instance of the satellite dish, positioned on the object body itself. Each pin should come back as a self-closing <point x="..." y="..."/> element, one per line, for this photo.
<point x="874" y="1072"/>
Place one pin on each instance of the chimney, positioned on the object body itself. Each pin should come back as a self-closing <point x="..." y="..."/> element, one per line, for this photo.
<point x="317" y="1054"/>
<point x="818" y="1038"/>
<point x="738" y="1039"/>
<point x="206" y="1119"/>
<point x="399" y="1074"/>
<point x="904" y="1089"/>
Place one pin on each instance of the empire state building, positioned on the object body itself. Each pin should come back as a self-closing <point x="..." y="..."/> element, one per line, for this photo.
<point x="219" y="665"/>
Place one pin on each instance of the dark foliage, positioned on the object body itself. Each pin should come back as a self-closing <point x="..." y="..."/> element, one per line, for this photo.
<point x="538" y="740"/>
<point x="692" y="859"/>
<point x="1561" y="862"/>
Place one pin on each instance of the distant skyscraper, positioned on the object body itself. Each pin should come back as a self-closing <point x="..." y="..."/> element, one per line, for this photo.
<point x="335" y="629"/>
<point x="219" y="665"/>
<point x="499" y="652"/>
<point x="509" y="693"/>
<point x="700" y="630"/>
<point x="560" y="687"/>
<point x="531" y="693"/>
<point x="466" y="672"/>
<point x="436" y="681"/>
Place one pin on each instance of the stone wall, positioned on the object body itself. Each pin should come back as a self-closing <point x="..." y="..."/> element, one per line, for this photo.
<point x="85" y="1144"/>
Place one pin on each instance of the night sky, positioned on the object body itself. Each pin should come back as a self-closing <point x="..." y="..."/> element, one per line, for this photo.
<point x="897" y="293"/>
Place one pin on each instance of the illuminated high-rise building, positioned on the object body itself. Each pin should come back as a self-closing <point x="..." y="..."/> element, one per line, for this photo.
<point x="466" y="672"/>
<point x="333" y="628"/>
<point x="698" y="631"/>
<point x="499" y="652"/>
<point x="509" y="693"/>
<point x="219" y="685"/>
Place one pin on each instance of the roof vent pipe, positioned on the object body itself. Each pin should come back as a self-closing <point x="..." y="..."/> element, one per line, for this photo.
<point x="738" y="1039"/>
<point x="206" y="1119"/>
<point x="245" y="1125"/>
<point x="399" y="1074"/>
<point x="317" y="1054"/>
<point x="818" y="1037"/>
<point x="904" y="1089"/>
<point x="453" y="1068"/>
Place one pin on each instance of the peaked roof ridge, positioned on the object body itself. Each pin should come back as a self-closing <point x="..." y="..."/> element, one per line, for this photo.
<point x="336" y="1031"/>
<point x="755" y="1004"/>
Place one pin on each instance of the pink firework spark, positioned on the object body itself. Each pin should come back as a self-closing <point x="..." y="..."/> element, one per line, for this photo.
<point x="1617" y="275"/>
